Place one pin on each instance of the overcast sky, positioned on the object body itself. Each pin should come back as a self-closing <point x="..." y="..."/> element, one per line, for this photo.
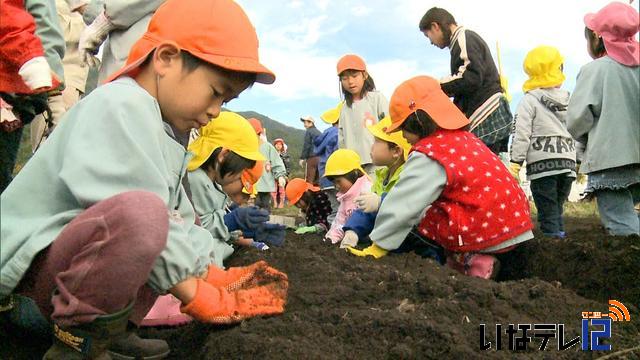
<point x="301" y="41"/>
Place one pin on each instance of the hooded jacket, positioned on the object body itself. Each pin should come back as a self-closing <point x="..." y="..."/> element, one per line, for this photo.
<point x="540" y="135"/>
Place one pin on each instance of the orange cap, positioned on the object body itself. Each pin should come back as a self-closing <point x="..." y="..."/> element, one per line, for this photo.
<point x="257" y="125"/>
<point x="351" y="62"/>
<point x="424" y="93"/>
<point x="251" y="176"/>
<point x="296" y="188"/>
<point x="215" y="31"/>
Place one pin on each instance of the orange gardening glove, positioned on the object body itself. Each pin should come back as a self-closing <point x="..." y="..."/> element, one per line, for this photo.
<point x="219" y="306"/>
<point x="243" y="277"/>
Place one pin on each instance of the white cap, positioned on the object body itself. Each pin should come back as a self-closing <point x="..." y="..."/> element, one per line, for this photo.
<point x="307" y="118"/>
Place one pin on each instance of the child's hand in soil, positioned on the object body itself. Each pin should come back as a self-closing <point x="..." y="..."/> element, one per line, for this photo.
<point x="306" y="230"/>
<point x="350" y="239"/>
<point x="221" y="306"/>
<point x="373" y="250"/>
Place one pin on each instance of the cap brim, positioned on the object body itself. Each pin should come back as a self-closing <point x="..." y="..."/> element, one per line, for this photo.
<point x="147" y="44"/>
<point x="446" y="115"/>
<point x="394" y="127"/>
<point x="251" y="155"/>
<point x="588" y="20"/>
<point x="132" y="67"/>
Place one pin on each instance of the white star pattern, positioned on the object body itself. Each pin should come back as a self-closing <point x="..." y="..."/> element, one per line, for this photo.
<point x="452" y="151"/>
<point x="487" y="174"/>
<point x="505" y="229"/>
<point x="450" y="222"/>
<point x="463" y="158"/>
<point x="479" y="239"/>
<point x="465" y="188"/>
<point x="475" y="153"/>
<point x="503" y="206"/>
<point x="508" y="192"/>
<point x="430" y="153"/>
<point x="465" y="229"/>
<point x="489" y="214"/>
<point x="452" y="165"/>
<point x="470" y="168"/>
<point x="487" y="189"/>
<point x="429" y="146"/>
<point x="517" y="214"/>
<point x="485" y="225"/>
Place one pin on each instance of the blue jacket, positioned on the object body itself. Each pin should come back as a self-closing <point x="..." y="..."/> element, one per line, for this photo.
<point x="324" y="145"/>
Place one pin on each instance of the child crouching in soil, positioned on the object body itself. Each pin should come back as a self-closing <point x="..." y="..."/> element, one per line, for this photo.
<point x="313" y="203"/>
<point x="344" y="170"/>
<point x="389" y="151"/>
<point x="97" y="224"/>
<point x="453" y="187"/>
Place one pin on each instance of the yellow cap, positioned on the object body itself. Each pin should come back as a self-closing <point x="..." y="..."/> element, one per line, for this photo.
<point x="332" y="115"/>
<point x="543" y="65"/>
<point x="230" y="131"/>
<point x="341" y="162"/>
<point x="379" y="130"/>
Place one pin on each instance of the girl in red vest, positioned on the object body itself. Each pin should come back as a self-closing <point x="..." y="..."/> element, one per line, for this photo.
<point x="453" y="188"/>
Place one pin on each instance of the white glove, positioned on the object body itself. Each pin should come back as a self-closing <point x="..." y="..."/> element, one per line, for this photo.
<point x="368" y="202"/>
<point x="301" y="162"/>
<point x="350" y="239"/>
<point x="282" y="181"/>
<point x="92" y="37"/>
<point x="36" y="73"/>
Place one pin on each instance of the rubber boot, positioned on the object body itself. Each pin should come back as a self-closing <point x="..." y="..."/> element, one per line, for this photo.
<point x="89" y="340"/>
<point x="131" y="346"/>
<point x="483" y="266"/>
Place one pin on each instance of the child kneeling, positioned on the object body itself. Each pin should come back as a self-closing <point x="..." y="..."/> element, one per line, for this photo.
<point x="312" y="202"/>
<point x="346" y="173"/>
<point x="453" y="187"/>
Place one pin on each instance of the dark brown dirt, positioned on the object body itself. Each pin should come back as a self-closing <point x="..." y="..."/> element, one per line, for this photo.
<point x="403" y="306"/>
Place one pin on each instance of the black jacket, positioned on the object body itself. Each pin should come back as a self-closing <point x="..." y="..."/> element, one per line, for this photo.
<point x="474" y="76"/>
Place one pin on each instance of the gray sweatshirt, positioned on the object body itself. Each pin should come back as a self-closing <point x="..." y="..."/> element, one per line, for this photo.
<point x="352" y="128"/>
<point x="604" y="113"/>
<point x="540" y="135"/>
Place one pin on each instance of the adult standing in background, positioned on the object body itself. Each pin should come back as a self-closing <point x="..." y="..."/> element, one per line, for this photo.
<point x="75" y="73"/>
<point x="122" y="21"/>
<point x="474" y="83"/>
<point x="308" y="156"/>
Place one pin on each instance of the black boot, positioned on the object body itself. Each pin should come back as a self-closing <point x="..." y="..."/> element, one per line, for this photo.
<point x="130" y="346"/>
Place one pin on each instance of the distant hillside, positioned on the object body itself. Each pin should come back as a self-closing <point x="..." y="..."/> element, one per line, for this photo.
<point x="292" y="136"/>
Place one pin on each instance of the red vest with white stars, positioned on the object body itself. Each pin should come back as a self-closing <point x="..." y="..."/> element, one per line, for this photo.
<point x="481" y="205"/>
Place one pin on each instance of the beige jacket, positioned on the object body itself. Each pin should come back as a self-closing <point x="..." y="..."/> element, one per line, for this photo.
<point x="75" y="75"/>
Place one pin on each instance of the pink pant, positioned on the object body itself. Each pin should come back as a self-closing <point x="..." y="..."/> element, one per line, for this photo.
<point x="101" y="261"/>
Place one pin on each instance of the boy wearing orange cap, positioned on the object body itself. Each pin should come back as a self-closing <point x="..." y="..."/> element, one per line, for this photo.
<point x="98" y="224"/>
<point x="453" y="187"/>
<point x="541" y="138"/>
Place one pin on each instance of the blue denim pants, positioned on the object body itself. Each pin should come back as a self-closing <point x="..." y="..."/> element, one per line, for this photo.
<point x="616" y="191"/>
